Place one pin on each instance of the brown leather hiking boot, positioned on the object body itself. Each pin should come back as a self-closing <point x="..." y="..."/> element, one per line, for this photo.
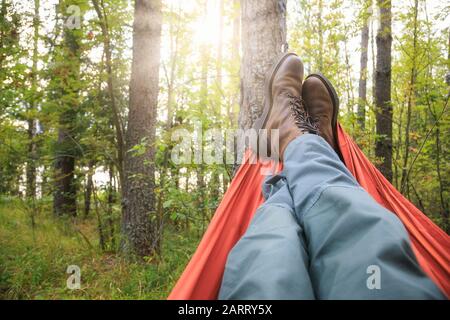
<point x="322" y="104"/>
<point x="283" y="105"/>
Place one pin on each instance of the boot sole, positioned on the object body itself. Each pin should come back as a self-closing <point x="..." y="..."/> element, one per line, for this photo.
<point x="268" y="99"/>
<point x="335" y="100"/>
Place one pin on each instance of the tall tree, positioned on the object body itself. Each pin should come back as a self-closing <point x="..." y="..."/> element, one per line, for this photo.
<point x="66" y="86"/>
<point x="263" y="38"/>
<point x="31" y="130"/>
<point x="362" y="91"/>
<point x="383" y="148"/>
<point x="139" y="222"/>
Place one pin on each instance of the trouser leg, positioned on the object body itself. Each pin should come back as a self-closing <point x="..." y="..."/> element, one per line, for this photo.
<point x="270" y="261"/>
<point x="357" y="248"/>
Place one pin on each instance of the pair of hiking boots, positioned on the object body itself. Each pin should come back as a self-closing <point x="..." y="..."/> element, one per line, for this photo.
<point x="295" y="107"/>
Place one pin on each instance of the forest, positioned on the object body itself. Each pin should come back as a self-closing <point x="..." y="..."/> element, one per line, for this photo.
<point x="93" y="92"/>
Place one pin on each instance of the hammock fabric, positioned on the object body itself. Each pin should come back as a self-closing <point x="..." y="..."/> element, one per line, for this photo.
<point x="203" y="275"/>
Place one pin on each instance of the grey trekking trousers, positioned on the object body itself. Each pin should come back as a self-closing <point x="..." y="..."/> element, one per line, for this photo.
<point x="319" y="235"/>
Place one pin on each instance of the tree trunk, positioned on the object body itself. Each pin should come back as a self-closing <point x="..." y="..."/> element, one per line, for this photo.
<point x="383" y="148"/>
<point x="100" y="227"/>
<point x="372" y="117"/>
<point x="32" y="147"/>
<point x="200" y="170"/>
<point x="64" y="198"/>
<point x="88" y="192"/>
<point x="110" y="215"/>
<point x="263" y="37"/>
<point x="67" y="85"/>
<point x="139" y="223"/>
<point x="362" y="92"/>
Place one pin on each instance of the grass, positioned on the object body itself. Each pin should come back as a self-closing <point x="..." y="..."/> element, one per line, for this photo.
<point x="33" y="263"/>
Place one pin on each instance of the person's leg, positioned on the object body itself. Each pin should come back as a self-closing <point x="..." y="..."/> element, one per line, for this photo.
<point x="357" y="248"/>
<point x="270" y="261"/>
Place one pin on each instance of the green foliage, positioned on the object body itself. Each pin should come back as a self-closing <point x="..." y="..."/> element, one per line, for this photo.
<point x="33" y="264"/>
<point x="12" y="153"/>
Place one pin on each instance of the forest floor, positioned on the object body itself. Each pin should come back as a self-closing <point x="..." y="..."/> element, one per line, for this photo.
<point x="34" y="261"/>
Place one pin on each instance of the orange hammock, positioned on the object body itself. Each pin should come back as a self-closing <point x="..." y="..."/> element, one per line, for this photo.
<point x="203" y="275"/>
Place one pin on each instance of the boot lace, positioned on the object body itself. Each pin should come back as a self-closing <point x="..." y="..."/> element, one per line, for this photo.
<point x="301" y="118"/>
